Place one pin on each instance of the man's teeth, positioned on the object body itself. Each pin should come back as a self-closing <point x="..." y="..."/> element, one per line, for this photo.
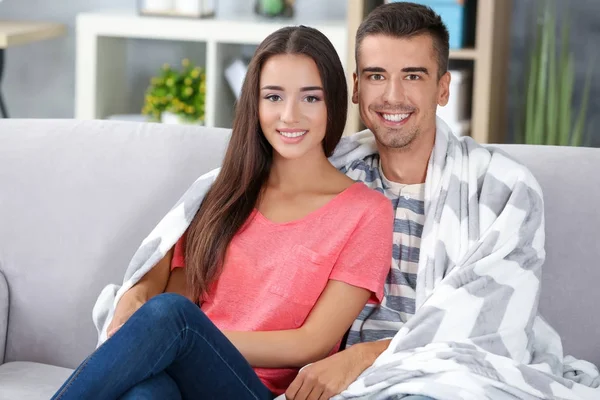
<point x="292" y="134"/>
<point x="395" y="117"/>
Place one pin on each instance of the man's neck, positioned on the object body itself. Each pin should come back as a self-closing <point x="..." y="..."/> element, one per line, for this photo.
<point x="408" y="165"/>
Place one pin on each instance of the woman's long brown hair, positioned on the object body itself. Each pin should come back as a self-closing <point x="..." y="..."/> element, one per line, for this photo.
<point x="249" y="156"/>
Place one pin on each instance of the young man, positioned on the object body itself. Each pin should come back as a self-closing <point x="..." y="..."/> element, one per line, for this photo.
<point x="473" y="282"/>
<point x="401" y="77"/>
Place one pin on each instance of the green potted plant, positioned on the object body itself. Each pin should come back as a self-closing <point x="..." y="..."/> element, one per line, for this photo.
<point x="274" y="8"/>
<point x="177" y="96"/>
<point x="549" y="114"/>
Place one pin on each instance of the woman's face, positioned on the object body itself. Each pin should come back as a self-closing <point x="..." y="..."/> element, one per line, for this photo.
<point x="291" y="106"/>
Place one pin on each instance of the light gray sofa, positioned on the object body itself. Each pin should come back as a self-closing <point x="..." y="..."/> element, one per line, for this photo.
<point x="77" y="198"/>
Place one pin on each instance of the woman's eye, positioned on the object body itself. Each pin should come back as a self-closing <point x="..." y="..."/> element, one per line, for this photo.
<point x="312" y="99"/>
<point x="273" y="97"/>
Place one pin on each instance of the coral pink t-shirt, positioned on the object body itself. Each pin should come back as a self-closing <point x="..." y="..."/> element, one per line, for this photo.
<point x="274" y="273"/>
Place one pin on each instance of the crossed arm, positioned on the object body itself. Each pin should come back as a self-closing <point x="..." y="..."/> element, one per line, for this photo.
<point x="323" y="329"/>
<point x="292" y="348"/>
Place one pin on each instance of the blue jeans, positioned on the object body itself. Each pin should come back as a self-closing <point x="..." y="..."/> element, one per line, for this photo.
<point x="168" y="349"/>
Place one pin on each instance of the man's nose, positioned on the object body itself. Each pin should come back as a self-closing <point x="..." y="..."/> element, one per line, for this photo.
<point x="394" y="92"/>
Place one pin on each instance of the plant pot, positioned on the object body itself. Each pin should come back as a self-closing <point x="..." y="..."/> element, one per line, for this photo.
<point x="157" y="6"/>
<point x="170" y="118"/>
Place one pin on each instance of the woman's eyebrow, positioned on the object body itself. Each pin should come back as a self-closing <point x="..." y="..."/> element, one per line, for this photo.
<point x="302" y="89"/>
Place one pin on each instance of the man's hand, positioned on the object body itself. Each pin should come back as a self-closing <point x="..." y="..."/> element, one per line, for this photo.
<point x="331" y="376"/>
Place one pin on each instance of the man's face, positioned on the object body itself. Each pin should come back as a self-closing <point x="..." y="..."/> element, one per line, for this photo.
<point x="397" y="89"/>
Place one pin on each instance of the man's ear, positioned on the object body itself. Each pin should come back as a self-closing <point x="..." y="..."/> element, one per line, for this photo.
<point x="444" y="89"/>
<point x="355" y="88"/>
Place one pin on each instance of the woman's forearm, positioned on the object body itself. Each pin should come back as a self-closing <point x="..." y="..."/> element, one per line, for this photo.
<point x="278" y="349"/>
<point x="314" y="340"/>
<point x="153" y="282"/>
<point x="177" y="284"/>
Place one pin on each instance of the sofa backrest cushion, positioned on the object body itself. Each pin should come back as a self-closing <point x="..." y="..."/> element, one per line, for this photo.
<point x="76" y="200"/>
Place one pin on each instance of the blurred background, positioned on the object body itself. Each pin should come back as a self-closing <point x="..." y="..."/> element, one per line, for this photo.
<point x="505" y="82"/>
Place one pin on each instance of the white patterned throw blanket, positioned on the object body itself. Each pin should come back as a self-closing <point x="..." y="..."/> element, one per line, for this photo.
<point x="476" y="333"/>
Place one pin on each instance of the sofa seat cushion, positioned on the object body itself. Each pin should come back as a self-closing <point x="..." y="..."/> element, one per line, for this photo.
<point x="30" y="381"/>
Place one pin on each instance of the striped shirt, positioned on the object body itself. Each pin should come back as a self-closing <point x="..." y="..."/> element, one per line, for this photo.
<point x="384" y="320"/>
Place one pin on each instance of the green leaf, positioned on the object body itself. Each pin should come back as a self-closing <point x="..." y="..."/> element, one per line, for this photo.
<point x="577" y="138"/>
<point x="523" y="111"/>
<point x="532" y="86"/>
<point x="542" y="81"/>
<point x="566" y="96"/>
<point x="552" y="102"/>
<point x="566" y="74"/>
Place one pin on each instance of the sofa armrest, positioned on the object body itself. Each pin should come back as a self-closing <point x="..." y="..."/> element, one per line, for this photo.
<point x="3" y="315"/>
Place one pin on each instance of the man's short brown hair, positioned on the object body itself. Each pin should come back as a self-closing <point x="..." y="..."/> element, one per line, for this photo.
<point x="404" y="20"/>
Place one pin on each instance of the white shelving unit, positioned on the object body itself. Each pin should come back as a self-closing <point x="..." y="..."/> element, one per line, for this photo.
<point x="101" y="55"/>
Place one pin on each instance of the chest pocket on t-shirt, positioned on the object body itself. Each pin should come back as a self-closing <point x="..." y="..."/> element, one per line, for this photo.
<point x="303" y="276"/>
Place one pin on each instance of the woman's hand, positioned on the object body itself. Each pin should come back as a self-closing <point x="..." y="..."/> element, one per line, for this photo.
<point x="129" y="304"/>
<point x="125" y="309"/>
<point x="152" y="283"/>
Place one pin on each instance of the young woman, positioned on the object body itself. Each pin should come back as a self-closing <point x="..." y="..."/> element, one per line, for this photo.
<point x="281" y="257"/>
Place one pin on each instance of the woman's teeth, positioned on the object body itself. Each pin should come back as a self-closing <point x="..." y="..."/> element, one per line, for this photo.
<point x="292" y="134"/>
<point x="394" y="117"/>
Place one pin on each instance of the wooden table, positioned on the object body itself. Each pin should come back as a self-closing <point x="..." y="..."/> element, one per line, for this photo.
<point x="14" y="33"/>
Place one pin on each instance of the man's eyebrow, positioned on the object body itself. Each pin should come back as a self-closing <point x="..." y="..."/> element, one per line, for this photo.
<point x="302" y="89"/>
<point x="373" y="69"/>
<point x="416" y="69"/>
<point x="407" y="70"/>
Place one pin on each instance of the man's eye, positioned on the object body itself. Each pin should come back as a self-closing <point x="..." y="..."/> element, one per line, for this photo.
<point x="376" y="77"/>
<point x="413" y="77"/>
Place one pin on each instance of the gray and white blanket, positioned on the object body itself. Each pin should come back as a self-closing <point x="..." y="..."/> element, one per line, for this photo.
<point x="476" y="333"/>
